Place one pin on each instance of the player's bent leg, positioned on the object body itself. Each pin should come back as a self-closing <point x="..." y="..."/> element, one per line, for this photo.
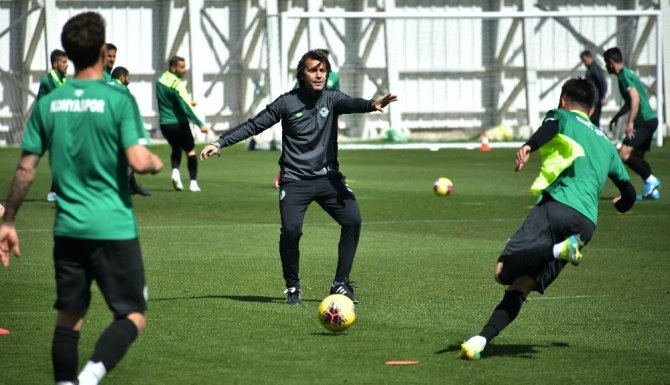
<point x="625" y="152"/>
<point x="524" y="285"/>
<point x="506" y="311"/>
<point x="111" y="347"/>
<point x="496" y="273"/>
<point x="138" y="319"/>
<point x="569" y="249"/>
<point x="344" y="209"/>
<point x="64" y="347"/>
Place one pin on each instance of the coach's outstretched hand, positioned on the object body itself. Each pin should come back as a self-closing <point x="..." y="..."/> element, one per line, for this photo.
<point x="208" y="151"/>
<point x="380" y="103"/>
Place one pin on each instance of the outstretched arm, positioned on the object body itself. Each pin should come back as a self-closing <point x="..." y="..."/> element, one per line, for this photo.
<point x="384" y="101"/>
<point x="23" y="178"/>
<point x="209" y="150"/>
<point x="543" y="134"/>
<point x="626" y="200"/>
<point x="265" y="119"/>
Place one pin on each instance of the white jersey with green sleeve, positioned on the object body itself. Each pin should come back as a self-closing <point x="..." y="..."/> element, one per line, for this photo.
<point x="86" y="125"/>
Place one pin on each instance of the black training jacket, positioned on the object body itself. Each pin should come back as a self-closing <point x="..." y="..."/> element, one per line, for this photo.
<point x="309" y="130"/>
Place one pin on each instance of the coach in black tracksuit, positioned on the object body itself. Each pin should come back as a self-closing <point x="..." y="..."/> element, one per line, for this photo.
<point x="309" y="167"/>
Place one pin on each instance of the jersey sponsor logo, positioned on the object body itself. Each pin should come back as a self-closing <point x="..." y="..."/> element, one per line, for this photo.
<point x="593" y="128"/>
<point x="324" y="112"/>
<point x="78" y="105"/>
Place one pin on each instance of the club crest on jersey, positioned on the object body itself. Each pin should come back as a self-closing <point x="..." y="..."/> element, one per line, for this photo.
<point x="78" y="93"/>
<point x="324" y="112"/>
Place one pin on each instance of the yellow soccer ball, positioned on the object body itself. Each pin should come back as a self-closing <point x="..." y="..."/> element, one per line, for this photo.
<point x="443" y="186"/>
<point x="337" y="313"/>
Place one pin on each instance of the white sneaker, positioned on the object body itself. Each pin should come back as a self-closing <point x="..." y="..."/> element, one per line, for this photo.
<point x="176" y="180"/>
<point x="472" y="348"/>
<point x="194" y="186"/>
<point x="51" y="197"/>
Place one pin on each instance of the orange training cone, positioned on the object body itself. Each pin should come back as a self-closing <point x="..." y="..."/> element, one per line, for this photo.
<point x="485" y="143"/>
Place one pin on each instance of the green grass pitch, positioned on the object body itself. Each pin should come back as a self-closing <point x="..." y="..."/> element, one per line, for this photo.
<point x="423" y="272"/>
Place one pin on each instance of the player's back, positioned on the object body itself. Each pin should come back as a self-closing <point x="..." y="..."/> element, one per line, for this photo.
<point x="86" y="125"/>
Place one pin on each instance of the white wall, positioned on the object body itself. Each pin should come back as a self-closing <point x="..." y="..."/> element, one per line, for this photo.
<point x="450" y="75"/>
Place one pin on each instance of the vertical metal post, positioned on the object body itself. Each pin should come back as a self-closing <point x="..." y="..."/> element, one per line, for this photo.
<point x="313" y="40"/>
<point x="197" y="47"/>
<point x="276" y="61"/>
<point x="663" y="71"/>
<point x="530" y="67"/>
<point x="52" y="32"/>
<point x="395" y="118"/>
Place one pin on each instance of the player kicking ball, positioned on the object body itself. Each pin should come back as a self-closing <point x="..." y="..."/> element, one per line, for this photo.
<point x="577" y="159"/>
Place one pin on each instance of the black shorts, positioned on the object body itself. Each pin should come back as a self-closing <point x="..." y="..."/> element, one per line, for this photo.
<point x="548" y="223"/>
<point x="115" y="265"/>
<point x="179" y="136"/>
<point x="644" y="133"/>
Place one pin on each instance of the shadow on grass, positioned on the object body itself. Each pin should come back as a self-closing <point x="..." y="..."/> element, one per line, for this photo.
<point x="241" y="298"/>
<point x="517" y="351"/>
<point x="328" y="334"/>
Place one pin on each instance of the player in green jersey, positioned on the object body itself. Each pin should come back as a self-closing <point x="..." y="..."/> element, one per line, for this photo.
<point x="53" y="79"/>
<point x="175" y="109"/>
<point x="110" y="59"/>
<point x="121" y="76"/>
<point x="92" y="131"/>
<point x="640" y="125"/>
<point x="577" y="159"/>
<point x="56" y="76"/>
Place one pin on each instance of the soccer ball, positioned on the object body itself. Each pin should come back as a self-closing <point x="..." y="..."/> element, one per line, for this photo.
<point x="443" y="186"/>
<point x="337" y="313"/>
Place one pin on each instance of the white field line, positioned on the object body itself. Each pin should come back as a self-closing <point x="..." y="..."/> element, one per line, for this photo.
<point x="545" y="298"/>
<point x="365" y="223"/>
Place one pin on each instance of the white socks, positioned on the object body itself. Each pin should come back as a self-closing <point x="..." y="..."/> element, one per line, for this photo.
<point x="558" y="248"/>
<point x="92" y="373"/>
<point x="651" y="179"/>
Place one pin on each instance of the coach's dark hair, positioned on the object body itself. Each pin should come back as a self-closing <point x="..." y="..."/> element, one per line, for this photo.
<point x="175" y="60"/>
<point x="315" y="54"/>
<point x="614" y="54"/>
<point x="579" y="91"/>
<point x="82" y="37"/>
<point x="110" y="46"/>
<point x="56" y="55"/>
<point x="585" y="53"/>
<point x="119" y="71"/>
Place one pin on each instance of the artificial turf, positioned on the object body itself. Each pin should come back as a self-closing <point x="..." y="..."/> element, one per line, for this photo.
<point x="423" y="272"/>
